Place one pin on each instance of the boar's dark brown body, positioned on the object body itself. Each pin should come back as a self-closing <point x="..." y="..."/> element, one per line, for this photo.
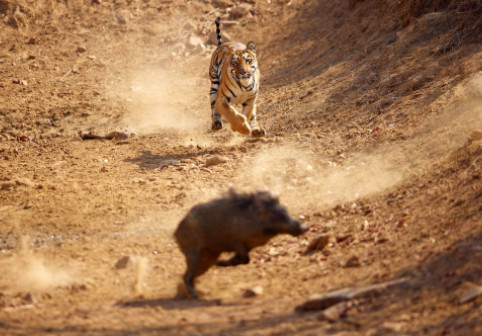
<point x="237" y="224"/>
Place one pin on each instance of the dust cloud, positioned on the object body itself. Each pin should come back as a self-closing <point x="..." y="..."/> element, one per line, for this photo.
<point x="307" y="180"/>
<point x="29" y="271"/>
<point x="169" y="101"/>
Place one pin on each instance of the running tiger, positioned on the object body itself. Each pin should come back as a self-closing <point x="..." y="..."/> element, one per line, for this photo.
<point x="234" y="78"/>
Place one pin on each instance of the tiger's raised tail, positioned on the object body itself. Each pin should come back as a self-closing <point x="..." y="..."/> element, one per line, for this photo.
<point x="218" y="31"/>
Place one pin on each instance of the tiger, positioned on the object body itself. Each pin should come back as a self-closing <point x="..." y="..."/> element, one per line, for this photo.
<point x="234" y="76"/>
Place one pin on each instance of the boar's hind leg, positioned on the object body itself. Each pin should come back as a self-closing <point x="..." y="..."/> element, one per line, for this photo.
<point x="241" y="257"/>
<point x="197" y="264"/>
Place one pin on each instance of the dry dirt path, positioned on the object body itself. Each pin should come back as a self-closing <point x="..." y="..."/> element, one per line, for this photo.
<point x="374" y="138"/>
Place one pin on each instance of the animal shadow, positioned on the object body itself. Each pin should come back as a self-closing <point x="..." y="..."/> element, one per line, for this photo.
<point x="169" y="304"/>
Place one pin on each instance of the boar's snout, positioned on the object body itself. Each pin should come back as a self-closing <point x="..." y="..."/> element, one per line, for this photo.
<point x="299" y="228"/>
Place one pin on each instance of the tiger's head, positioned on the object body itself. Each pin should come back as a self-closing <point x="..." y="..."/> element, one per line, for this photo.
<point x="244" y="64"/>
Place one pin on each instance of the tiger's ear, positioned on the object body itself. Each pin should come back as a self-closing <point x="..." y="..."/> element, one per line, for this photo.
<point x="251" y="46"/>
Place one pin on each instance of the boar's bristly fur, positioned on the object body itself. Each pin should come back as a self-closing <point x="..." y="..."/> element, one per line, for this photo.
<point x="236" y="223"/>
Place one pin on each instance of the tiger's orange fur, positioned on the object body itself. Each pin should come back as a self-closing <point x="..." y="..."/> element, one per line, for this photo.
<point x="235" y="78"/>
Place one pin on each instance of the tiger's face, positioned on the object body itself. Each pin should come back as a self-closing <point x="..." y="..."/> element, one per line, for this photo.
<point x="244" y="66"/>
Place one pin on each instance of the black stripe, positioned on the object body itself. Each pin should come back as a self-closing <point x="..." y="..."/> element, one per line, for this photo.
<point x="213" y="103"/>
<point x="225" y="95"/>
<point x="229" y="78"/>
<point x="215" y="82"/>
<point x="234" y="96"/>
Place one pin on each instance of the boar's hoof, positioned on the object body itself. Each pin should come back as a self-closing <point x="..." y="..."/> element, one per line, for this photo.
<point x="236" y="260"/>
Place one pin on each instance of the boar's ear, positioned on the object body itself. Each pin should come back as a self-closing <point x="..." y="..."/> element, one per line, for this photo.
<point x="264" y="201"/>
<point x="275" y="197"/>
<point x="259" y="201"/>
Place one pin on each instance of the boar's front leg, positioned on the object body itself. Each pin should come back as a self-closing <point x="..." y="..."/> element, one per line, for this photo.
<point x="241" y="257"/>
<point x="198" y="262"/>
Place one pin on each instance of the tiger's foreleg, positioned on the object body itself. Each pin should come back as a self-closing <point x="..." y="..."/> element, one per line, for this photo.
<point x="249" y="110"/>
<point x="238" y="121"/>
<point x="215" y="116"/>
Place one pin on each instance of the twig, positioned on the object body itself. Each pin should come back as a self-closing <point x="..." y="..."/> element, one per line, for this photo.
<point x="63" y="77"/>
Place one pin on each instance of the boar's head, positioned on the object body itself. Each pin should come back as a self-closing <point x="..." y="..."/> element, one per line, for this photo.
<point x="274" y="216"/>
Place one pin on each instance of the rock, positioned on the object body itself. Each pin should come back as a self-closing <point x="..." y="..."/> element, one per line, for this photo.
<point x="195" y="42"/>
<point x="124" y="262"/>
<point x="353" y="262"/>
<point x="8" y="185"/>
<point x="252" y="292"/>
<point x="222" y="3"/>
<point x="25" y="182"/>
<point x="81" y="49"/>
<point x="317" y="244"/>
<point x="323" y="301"/>
<point x="123" y="17"/>
<point x="215" y="160"/>
<point x="335" y="312"/>
<point x="241" y="11"/>
<point x="20" y="81"/>
<point x="470" y="295"/>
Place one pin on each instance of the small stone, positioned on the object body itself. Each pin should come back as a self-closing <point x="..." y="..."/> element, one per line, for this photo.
<point x="124" y="262"/>
<point x="252" y="292"/>
<point x="81" y="49"/>
<point x="20" y="81"/>
<point x="215" y="160"/>
<point x="321" y="302"/>
<point x="470" y="295"/>
<point x="123" y="17"/>
<point x="196" y="42"/>
<point x="8" y="185"/>
<point x="353" y="262"/>
<point x="241" y="11"/>
<point x="317" y="244"/>
<point x="335" y="312"/>
<point x="222" y="3"/>
<point x="25" y="182"/>
<point x="86" y="114"/>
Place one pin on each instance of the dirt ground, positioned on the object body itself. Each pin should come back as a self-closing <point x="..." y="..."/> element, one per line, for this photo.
<point x="374" y="117"/>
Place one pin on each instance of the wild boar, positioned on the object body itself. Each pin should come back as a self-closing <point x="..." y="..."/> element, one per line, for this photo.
<point x="236" y="223"/>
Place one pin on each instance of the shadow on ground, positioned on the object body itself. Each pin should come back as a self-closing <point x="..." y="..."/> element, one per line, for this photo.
<point x="150" y="161"/>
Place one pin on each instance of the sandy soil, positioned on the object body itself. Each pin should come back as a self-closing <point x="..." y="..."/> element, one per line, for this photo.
<point x="374" y="118"/>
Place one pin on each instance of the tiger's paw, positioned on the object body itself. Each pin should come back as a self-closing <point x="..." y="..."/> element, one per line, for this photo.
<point x="243" y="127"/>
<point x="217" y="125"/>
<point x="258" y="132"/>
